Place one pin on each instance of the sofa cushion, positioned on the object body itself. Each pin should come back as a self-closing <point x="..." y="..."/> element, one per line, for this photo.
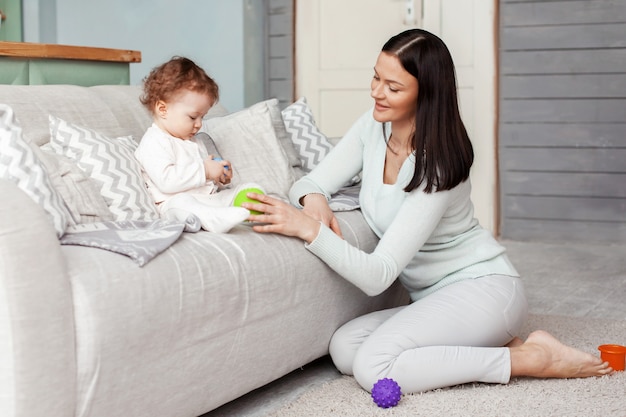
<point x="83" y="106"/>
<point x="284" y="137"/>
<point x="19" y="164"/>
<point x="111" y="163"/>
<point x="247" y="138"/>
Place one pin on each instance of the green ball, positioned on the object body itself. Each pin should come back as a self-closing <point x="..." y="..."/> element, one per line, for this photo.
<point x="241" y="197"/>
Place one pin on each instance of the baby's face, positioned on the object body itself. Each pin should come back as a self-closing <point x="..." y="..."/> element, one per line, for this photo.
<point x="183" y="115"/>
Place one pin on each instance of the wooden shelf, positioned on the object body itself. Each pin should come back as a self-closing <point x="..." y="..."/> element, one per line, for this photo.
<point x="53" y="51"/>
<point x="27" y="63"/>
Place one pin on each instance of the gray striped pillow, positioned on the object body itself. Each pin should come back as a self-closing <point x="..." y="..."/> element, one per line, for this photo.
<point x="111" y="163"/>
<point x="20" y="165"/>
<point x="311" y="144"/>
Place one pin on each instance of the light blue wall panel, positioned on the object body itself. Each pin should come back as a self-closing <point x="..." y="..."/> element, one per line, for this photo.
<point x="208" y="31"/>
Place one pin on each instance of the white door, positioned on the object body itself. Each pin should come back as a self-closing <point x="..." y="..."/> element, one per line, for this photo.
<point x="337" y="42"/>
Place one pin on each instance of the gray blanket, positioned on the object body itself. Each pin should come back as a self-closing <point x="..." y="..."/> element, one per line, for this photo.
<point x="139" y="240"/>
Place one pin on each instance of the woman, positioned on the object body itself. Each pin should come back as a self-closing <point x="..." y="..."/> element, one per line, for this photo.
<point x="468" y="302"/>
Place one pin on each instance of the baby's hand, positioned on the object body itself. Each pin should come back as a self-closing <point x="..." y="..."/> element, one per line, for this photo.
<point x="218" y="170"/>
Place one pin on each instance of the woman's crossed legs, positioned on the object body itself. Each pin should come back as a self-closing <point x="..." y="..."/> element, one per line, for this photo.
<point x="464" y="332"/>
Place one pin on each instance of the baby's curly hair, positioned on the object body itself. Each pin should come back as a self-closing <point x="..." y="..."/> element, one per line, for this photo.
<point x="179" y="73"/>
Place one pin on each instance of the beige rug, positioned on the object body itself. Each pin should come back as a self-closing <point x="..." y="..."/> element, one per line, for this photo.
<point x="523" y="397"/>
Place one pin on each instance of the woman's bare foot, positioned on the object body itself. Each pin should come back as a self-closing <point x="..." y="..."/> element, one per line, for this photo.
<point x="543" y="356"/>
<point x="515" y="342"/>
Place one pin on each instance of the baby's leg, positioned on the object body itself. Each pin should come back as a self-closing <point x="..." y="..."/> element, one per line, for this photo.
<point x="213" y="219"/>
<point x="191" y="221"/>
<point x="225" y="197"/>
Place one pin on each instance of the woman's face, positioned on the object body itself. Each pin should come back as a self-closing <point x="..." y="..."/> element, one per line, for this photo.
<point x="394" y="91"/>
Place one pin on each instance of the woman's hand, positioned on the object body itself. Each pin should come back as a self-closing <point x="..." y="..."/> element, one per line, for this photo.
<point x="282" y="218"/>
<point x="316" y="206"/>
<point x="218" y="170"/>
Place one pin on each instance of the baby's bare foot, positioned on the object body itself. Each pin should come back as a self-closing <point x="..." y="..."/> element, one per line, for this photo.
<point x="542" y="355"/>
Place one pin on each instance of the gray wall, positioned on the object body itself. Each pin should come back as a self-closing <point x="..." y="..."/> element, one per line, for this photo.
<point x="274" y="49"/>
<point x="562" y="139"/>
<point x="214" y="33"/>
<point x="280" y="51"/>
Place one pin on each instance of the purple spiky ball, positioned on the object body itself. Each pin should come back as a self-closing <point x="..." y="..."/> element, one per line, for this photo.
<point x="386" y="393"/>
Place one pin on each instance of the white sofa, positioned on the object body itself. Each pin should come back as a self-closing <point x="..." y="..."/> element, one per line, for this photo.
<point x="88" y="332"/>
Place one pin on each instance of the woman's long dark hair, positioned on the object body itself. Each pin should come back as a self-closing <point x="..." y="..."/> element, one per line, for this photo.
<point x="444" y="153"/>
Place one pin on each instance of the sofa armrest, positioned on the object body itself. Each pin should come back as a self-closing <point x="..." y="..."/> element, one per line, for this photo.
<point x="37" y="350"/>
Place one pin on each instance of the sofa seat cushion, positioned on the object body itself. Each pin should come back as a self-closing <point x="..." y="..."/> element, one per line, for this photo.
<point x="243" y="297"/>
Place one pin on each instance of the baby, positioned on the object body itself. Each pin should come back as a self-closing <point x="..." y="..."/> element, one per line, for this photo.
<point x="182" y="182"/>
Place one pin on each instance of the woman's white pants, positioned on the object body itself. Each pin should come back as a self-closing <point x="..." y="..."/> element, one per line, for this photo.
<point x="453" y="336"/>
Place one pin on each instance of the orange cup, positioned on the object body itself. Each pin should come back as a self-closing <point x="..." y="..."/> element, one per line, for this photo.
<point x="615" y="355"/>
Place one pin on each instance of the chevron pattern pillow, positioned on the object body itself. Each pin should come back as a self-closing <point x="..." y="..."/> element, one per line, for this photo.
<point x="111" y="163"/>
<point x="20" y="165"/>
<point x="311" y="144"/>
<point x="79" y="192"/>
